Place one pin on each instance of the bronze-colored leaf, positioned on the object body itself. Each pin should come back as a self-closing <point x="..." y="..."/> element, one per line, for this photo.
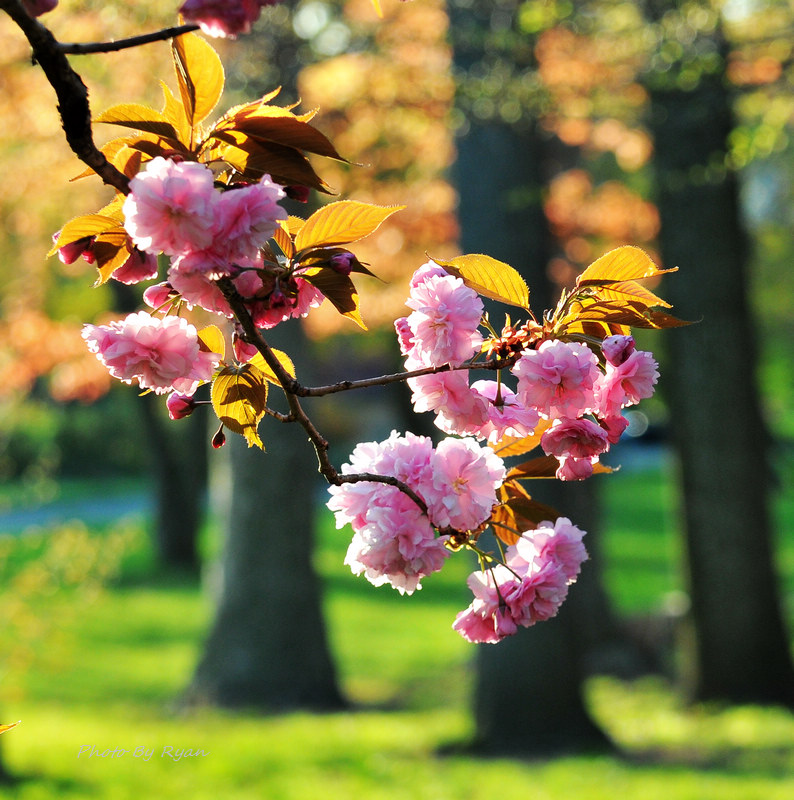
<point x="239" y="397"/>
<point x="540" y="467"/>
<point x="279" y="125"/>
<point x="339" y="290"/>
<point x="341" y="223"/>
<point x="140" y="118"/>
<point x="490" y="278"/>
<point x="517" y="512"/>
<point x="509" y="446"/>
<point x="253" y="159"/>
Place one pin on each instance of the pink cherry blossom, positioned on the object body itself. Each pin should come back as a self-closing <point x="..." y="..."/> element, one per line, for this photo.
<point x="617" y="349"/>
<point x="487" y="619"/>
<point x="465" y="479"/>
<point x="508" y="418"/>
<point x="614" y="427"/>
<point x="575" y="469"/>
<point x="179" y="405"/>
<point x="157" y="295"/>
<point x="171" y="207"/>
<point x="559" y="541"/>
<point x="626" y="384"/>
<point x="558" y="378"/>
<point x="397" y="545"/>
<point x="197" y="289"/>
<point x="581" y="438"/>
<point x="444" y="321"/>
<point x="223" y="18"/>
<point x="458" y="409"/>
<point x="161" y="354"/>
<point x="428" y="270"/>
<point x="138" y="267"/>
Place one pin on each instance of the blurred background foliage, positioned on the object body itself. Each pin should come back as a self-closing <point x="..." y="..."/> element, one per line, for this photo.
<point x="393" y="103"/>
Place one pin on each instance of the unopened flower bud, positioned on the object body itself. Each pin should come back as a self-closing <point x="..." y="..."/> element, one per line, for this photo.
<point x="617" y="349"/>
<point x="219" y="440"/>
<point x="298" y="193"/>
<point x="158" y="295"/>
<point x="38" y="7"/>
<point x="342" y="262"/>
<point x="69" y="253"/>
<point x="179" y="405"/>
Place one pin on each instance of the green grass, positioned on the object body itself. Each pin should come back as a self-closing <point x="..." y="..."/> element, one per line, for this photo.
<point x="109" y="678"/>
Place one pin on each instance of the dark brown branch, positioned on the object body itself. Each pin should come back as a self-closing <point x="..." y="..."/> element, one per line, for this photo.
<point x="297" y="414"/>
<point x="71" y="92"/>
<point x="83" y="48"/>
<point x="396" y="377"/>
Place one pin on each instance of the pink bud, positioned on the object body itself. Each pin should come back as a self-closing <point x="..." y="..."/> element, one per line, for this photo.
<point x="158" y="295"/>
<point x="219" y="440"/>
<point x="69" y="253"/>
<point x="617" y="349"/>
<point x="342" y="262"/>
<point x="299" y="193"/>
<point x="179" y="405"/>
<point x="38" y="7"/>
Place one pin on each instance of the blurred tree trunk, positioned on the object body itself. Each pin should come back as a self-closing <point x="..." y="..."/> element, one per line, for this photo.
<point x="178" y="458"/>
<point x="741" y="651"/>
<point x="528" y="691"/>
<point x="267" y="647"/>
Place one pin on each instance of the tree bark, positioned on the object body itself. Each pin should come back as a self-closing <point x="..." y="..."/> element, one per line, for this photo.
<point x="528" y="690"/>
<point x="741" y="649"/>
<point x="267" y="647"/>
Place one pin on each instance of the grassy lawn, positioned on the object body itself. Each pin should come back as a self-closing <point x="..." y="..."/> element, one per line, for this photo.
<point x="90" y="667"/>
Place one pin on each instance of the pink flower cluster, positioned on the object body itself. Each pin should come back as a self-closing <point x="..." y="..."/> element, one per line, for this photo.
<point x="226" y="18"/>
<point x="557" y="381"/>
<point x="162" y="354"/>
<point x="394" y="540"/>
<point x="529" y="587"/>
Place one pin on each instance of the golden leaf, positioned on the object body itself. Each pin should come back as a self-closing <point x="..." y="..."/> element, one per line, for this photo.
<point x="516" y="446"/>
<point x="139" y="117"/>
<point x="239" y="397"/>
<point x="259" y="362"/>
<point x="627" y="263"/>
<point x="342" y="222"/>
<point x="211" y="340"/>
<point x="200" y="75"/>
<point x="7" y="727"/>
<point x="490" y="278"/>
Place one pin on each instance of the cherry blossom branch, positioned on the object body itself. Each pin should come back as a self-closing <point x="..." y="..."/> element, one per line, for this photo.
<point x="297" y="414"/>
<point x="395" y="377"/>
<point x="113" y="46"/>
<point x="71" y="92"/>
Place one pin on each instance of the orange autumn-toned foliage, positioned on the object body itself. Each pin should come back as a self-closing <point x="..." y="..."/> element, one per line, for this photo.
<point x="387" y="112"/>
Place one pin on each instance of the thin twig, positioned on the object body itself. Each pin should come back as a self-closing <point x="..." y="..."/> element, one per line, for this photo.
<point x="83" y="48"/>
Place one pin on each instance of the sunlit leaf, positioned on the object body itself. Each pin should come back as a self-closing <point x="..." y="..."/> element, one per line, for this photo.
<point x="341" y="223"/>
<point x="211" y="340"/>
<point x="139" y="117"/>
<point x="176" y="114"/>
<point x="200" y="75"/>
<point x="284" y="242"/>
<point x="83" y="227"/>
<point x="490" y="278"/>
<point x="111" y="250"/>
<point x="254" y="158"/>
<point x="7" y="727"/>
<point x="627" y="263"/>
<point x="541" y="467"/>
<point x="516" y="446"/>
<point x="239" y="397"/>
<point x="259" y="362"/>
<point x="339" y="290"/>
<point x="517" y="512"/>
